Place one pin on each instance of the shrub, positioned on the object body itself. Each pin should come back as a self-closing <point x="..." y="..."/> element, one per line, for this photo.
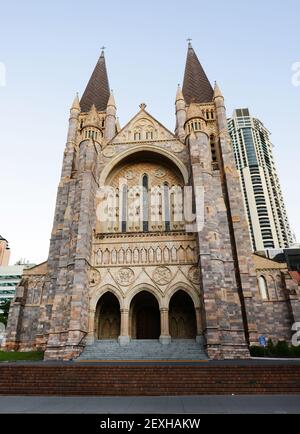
<point x="256" y="351"/>
<point x="295" y="351"/>
<point x="281" y="349"/>
<point x="271" y="347"/>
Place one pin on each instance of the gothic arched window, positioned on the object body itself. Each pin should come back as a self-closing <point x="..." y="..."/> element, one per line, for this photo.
<point x="213" y="151"/>
<point x="167" y="206"/>
<point x="145" y="183"/>
<point x="124" y="208"/>
<point x="263" y="288"/>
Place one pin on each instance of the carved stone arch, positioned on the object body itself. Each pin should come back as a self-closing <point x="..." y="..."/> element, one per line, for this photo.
<point x="97" y="293"/>
<point x="143" y="287"/>
<point x="182" y="314"/>
<point x="146" y="148"/>
<point x="107" y="316"/>
<point x="183" y="287"/>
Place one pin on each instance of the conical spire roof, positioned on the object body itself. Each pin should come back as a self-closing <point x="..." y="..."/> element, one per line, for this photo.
<point x="179" y="94"/>
<point x="196" y="86"/>
<point x="217" y="91"/>
<point x="97" y="91"/>
<point x="76" y="104"/>
<point x="111" y="100"/>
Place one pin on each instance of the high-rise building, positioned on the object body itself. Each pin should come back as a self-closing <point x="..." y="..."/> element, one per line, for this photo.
<point x="150" y="246"/>
<point x="10" y="277"/>
<point x="266" y="212"/>
<point x="4" y="252"/>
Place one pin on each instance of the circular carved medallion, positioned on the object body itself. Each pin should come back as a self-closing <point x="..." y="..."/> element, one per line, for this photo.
<point x="194" y="274"/>
<point x="125" y="276"/>
<point x="109" y="151"/>
<point x="162" y="275"/>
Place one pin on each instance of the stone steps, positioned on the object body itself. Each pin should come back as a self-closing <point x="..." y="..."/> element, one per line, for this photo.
<point x="187" y="349"/>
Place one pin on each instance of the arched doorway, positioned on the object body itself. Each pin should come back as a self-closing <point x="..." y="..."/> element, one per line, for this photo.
<point x="144" y="316"/>
<point x="182" y="316"/>
<point x="108" y="317"/>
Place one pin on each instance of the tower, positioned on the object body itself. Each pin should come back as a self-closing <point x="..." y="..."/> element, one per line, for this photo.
<point x="224" y="245"/>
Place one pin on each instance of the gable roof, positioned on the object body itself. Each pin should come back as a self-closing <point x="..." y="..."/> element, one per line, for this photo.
<point x="136" y="117"/>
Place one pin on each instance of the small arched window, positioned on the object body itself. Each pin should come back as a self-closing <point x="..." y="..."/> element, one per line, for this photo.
<point x="213" y="151"/>
<point x="149" y="135"/>
<point x="263" y="288"/>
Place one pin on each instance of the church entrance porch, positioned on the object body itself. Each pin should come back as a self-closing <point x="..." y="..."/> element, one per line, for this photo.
<point x="182" y="318"/>
<point x="108" y="317"/>
<point x="144" y="317"/>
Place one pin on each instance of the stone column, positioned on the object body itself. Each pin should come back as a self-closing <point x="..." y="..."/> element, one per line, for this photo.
<point x="199" y="336"/>
<point x="124" y="329"/>
<point x="92" y="331"/>
<point x="165" y="337"/>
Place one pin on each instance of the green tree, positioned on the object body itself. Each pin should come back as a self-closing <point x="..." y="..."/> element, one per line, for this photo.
<point x="4" y="309"/>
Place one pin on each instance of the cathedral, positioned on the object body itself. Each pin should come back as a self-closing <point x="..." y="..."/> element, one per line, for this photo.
<point x="150" y="238"/>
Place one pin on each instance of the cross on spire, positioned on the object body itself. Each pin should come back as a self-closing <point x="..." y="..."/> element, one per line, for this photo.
<point x="189" y="40"/>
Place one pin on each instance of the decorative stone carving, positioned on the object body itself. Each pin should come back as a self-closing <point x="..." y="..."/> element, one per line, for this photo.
<point x="160" y="172"/>
<point x="129" y="174"/>
<point x="177" y="147"/>
<point x="109" y="151"/>
<point x="125" y="276"/>
<point x="95" y="277"/>
<point x="162" y="275"/>
<point x="194" y="274"/>
<point x="159" y="252"/>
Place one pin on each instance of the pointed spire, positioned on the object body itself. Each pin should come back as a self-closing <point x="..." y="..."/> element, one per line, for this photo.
<point x="217" y="91"/>
<point x="118" y="126"/>
<point x="111" y="100"/>
<point x="97" y="90"/>
<point x="179" y="94"/>
<point x="75" y="104"/>
<point x="196" y="86"/>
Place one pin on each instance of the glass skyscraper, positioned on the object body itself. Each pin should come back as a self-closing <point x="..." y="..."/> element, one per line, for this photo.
<point x="266" y="212"/>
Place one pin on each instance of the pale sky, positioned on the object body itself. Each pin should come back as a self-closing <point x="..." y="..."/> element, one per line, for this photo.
<point x="49" y="49"/>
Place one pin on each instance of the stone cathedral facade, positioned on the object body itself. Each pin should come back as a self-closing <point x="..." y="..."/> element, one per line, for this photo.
<point x="125" y="261"/>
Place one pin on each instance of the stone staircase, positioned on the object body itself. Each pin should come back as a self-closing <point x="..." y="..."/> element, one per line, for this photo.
<point x="179" y="349"/>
